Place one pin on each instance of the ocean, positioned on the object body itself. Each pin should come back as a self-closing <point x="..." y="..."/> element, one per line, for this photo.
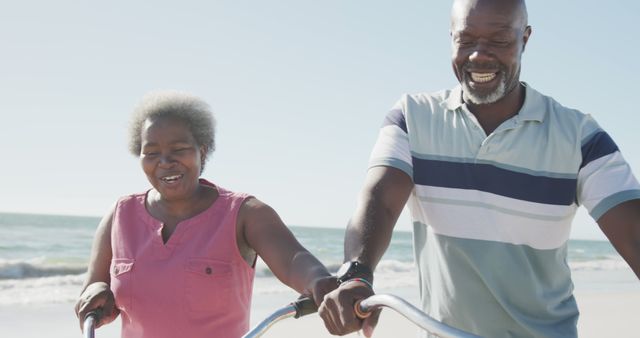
<point x="43" y="259"/>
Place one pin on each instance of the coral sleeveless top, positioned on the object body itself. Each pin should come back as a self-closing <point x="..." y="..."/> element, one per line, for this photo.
<point x="195" y="285"/>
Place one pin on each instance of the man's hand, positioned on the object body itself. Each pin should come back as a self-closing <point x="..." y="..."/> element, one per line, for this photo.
<point x="337" y="309"/>
<point x="321" y="287"/>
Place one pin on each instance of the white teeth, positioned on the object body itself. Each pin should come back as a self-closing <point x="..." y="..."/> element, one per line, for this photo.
<point x="171" y="178"/>
<point x="482" y="77"/>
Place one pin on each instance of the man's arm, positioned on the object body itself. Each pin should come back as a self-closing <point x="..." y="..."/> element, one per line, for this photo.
<point x="383" y="197"/>
<point x="381" y="201"/>
<point x="621" y="224"/>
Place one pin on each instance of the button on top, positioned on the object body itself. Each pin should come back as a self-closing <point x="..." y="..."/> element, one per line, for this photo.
<point x="208" y="270"/>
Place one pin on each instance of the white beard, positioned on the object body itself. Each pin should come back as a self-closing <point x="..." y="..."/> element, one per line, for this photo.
<point x="476" y="98"/>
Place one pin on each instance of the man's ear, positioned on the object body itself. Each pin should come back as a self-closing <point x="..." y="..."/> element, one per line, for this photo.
<point x="525" y="36"/>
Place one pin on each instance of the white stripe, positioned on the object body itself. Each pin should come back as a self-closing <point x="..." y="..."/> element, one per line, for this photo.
<point x="479" y="215"/>
<point x="392" y="142"/>
<point x="604" y="177"/>
<point x="499" y="203"/>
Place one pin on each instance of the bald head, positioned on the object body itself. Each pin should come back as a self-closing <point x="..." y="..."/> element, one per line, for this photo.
<point x="516" y="10"/>
<point x="488" y="38"/>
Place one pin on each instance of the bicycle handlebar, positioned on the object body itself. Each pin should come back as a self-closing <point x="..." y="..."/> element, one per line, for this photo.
<point x="305" y="306"/>
<point x="89" y="324"/>
<point x="364" y="307"/>
<point x="301" y="307"/>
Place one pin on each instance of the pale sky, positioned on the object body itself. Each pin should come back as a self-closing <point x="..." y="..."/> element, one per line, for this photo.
<point x="299" y="89"/>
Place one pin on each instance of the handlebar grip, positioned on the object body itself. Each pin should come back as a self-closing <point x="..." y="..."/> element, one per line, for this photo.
<point x="304" y="306"/>
<point x="360" y="313"/>
<point x="91" y="320"/>
<point x="93" y="313"/>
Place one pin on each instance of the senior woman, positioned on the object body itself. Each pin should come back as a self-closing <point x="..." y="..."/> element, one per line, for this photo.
<point x="178" y="260"/>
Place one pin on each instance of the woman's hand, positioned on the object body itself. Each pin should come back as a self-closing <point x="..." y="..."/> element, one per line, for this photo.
<point x="97" y="296"/>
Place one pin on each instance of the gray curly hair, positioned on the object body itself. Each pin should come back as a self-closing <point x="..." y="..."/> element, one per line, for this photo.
<point x="191" y="110"/>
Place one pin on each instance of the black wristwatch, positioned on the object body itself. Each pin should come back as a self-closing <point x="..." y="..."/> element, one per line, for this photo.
<point x="354" y="269"/>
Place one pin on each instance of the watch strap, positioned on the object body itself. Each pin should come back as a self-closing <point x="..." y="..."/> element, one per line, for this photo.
<point x="355" y="269"/>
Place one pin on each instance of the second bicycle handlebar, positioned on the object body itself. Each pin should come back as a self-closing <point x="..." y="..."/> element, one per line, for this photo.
<point x="297" y="309"/>
<point x="364" y="307"/>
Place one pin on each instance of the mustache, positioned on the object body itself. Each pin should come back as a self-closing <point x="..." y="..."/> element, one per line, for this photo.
<point x="484" y="65"/>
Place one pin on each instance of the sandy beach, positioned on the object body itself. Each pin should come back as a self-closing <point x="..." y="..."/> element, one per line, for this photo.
<point x="604" y="313"/>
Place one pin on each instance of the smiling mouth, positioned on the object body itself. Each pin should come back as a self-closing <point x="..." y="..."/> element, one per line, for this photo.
<point x="172" y="178"/>
<point x="482" y="77"/>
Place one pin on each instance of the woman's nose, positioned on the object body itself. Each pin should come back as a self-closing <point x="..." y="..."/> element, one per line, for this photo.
<point x="166" y="160"/>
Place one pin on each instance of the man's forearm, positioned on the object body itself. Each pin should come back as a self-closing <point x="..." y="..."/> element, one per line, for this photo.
<point x="366" y="241"/>
<point x="381" y="202"/>
<point x="621" y="225"/>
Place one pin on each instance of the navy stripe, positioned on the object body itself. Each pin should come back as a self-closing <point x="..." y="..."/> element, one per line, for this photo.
<point x="396" y="118"/>
<point x="491" y="179"/>
<point x="600" y="144"/>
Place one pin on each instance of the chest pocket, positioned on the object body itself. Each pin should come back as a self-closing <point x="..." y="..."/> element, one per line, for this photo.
<point x="208" y="285"/>
<point x="121" y="272"/>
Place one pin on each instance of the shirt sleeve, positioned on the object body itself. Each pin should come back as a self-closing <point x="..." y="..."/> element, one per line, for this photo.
<point x="392" y="148"/>
<point x="605" y="179"/>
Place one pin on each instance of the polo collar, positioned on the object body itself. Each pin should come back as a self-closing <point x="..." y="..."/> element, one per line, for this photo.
<point x="530" y="110"/>
<point x="454" y="101"/>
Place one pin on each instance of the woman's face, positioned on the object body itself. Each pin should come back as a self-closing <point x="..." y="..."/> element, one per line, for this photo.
<point x="171" y="158"/>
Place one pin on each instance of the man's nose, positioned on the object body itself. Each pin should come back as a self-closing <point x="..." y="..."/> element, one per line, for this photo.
<point x="481" y="53"/>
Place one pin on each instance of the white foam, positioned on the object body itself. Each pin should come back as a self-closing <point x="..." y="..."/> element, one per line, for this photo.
<point x="65" y="288"/>
<point x="45" y="290"/>
<point x="601" y="264"/>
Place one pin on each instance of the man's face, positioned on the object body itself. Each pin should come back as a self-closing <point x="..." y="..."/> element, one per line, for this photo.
<point x="488" y="39"/>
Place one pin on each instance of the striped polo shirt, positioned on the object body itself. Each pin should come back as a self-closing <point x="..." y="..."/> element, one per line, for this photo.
<point x="492" y="213"/>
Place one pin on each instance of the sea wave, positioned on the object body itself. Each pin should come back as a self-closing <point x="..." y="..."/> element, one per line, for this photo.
<point x="384" y="267"/>
<point x="612" y="263"/>
<point x="37" y="268"/>
<point x="35" y="282"/>
<point x="40" y="267"/>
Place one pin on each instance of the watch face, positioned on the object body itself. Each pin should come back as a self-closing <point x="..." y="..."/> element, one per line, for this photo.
<point x="344" y="268"/>
<point x="354" y="269"/>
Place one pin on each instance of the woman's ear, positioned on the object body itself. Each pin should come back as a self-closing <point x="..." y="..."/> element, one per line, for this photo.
<point x="203" y="155"/>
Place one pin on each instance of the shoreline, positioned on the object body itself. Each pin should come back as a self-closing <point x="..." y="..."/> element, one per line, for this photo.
<point x="611" y="314"/>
